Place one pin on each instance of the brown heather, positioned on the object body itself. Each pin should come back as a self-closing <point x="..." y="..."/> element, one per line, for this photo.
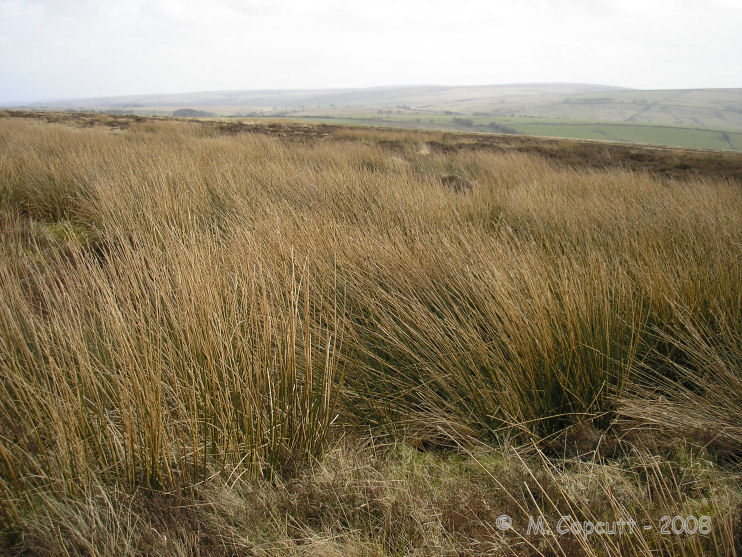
<point x="220" y="343"/>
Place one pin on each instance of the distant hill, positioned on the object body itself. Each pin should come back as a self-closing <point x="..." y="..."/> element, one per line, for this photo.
<point x="704" y="118"/>
<point x="424" y="96"/>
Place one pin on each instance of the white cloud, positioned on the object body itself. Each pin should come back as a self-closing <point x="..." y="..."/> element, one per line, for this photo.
<point x="53" y="48"/>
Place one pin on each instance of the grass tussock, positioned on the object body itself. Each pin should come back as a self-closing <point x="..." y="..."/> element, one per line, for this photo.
<point x="191" y="320"/>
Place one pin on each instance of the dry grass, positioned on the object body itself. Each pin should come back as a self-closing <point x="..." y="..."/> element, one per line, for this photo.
<point x="190" y="320"/>
<point x="395" y="500"/>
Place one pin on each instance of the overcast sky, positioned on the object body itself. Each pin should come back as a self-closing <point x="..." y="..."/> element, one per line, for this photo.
<point x="51" y="49"/>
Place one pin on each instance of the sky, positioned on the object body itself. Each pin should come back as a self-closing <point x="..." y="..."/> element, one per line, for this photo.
<point x="56" y="49"/>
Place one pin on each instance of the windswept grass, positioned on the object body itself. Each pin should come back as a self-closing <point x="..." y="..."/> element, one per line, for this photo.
<point x="186" y="312"/>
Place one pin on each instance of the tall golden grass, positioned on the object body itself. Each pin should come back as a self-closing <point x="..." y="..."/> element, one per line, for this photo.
<point x="179" y="305"/>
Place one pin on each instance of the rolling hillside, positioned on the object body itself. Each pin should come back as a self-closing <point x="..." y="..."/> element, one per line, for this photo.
<point x="695" y="118"/>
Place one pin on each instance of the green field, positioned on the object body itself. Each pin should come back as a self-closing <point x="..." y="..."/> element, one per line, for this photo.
<point x="675" y="136"/>
<point x="635" y="133"/>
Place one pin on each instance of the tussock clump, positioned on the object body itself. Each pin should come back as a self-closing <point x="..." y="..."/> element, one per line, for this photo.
<point x="456" y="183"/>
<point x="189" y="310"/>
